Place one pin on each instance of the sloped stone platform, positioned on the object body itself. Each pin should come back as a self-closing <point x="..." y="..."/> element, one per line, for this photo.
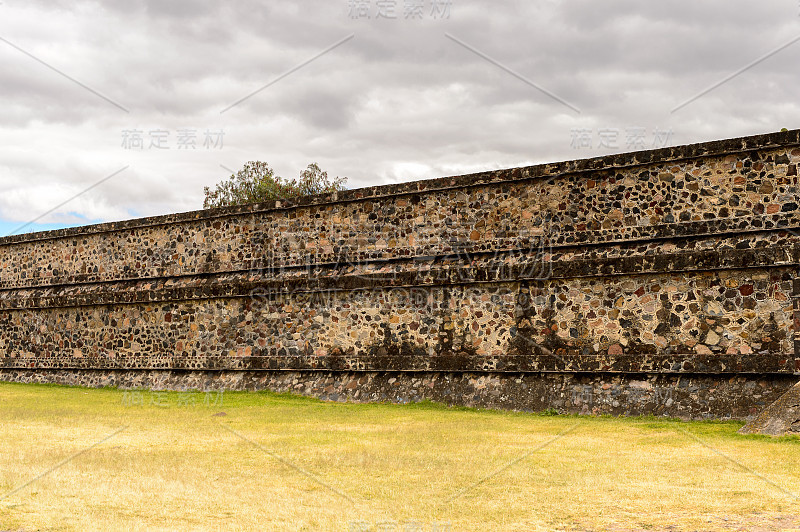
<point x="663" y="282"/>
<point x="780" y="418"/>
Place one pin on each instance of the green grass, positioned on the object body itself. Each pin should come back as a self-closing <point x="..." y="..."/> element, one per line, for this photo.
<point x="282" y="462"/>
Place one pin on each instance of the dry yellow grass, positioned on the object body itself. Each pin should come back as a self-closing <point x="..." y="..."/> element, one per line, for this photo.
<point x="277" y="462"/>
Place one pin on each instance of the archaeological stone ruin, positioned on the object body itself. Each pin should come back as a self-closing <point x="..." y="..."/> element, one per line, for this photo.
<point x="658" y="282"/>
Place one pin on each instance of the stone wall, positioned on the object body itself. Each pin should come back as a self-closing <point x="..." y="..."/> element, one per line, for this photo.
<point x="675" y="266"/>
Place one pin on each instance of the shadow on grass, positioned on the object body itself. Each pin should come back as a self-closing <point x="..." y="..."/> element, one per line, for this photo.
<point x="266" y="398"/>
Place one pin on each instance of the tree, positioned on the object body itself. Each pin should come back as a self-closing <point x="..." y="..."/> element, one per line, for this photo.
<point x="257" y="182"/>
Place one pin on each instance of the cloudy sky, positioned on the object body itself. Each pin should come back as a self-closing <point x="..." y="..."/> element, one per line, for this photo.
<point x="145" y="103"/>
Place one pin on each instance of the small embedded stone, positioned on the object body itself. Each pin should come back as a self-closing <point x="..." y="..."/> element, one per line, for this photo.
<point x="702" y="350"/>
<point x="712" y="338"/>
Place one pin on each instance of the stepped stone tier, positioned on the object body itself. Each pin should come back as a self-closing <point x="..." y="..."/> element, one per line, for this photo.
<point x="661" y="281"/>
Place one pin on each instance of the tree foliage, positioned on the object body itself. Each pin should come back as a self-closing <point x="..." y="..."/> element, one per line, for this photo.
<point x="257" y="182"/>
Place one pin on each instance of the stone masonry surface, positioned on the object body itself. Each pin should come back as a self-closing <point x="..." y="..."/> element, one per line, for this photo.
<point x="674" y="267"/>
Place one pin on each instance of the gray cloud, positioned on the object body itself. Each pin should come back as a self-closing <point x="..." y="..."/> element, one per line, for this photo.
<point x="399" y="101"/>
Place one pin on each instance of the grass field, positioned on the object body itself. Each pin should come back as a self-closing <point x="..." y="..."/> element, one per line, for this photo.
<point x="78" y="459"/>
